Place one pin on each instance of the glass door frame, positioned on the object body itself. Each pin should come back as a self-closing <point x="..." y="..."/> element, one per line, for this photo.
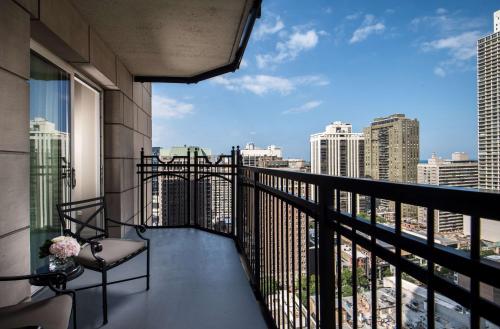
<point x="74" y="73"/>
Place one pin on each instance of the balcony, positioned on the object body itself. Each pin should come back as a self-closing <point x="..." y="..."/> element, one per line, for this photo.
<point x="197" y="281"/>
<point x="233" y="246"/>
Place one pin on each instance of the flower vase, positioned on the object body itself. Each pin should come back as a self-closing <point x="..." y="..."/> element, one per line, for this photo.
<point x="59" y="264"/>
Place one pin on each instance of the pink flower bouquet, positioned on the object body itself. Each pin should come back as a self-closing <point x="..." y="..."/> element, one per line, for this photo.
<point x="61" y="247"/>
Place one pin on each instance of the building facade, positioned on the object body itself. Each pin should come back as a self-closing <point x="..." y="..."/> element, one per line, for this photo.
<point x="392" y="153"/>
<point x="251" y="154"/>
<point x="338" y="152"/>
<point x="459" y="172"/>
<point x="488" y="105"/>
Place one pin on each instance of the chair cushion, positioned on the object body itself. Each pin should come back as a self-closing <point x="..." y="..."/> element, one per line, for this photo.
<point x="50" y="313"/>
<point x="113" y="251"/>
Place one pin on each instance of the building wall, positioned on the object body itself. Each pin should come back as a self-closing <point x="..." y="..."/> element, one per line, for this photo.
<point x="488" y="111"/>
<point x="339" y="152"/>
<point x="14" y="149"/>
<point x="392" y="149"/>
<point x="462" y="173"/>
<point x="488" y="103"/>
<point x="57" y="26"/>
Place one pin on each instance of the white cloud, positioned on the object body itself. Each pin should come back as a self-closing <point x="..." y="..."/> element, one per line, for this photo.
<point x="257" y="84"/>
<point x="243" y="63"/>
<point x="353" y="16"/>
<point x="460" y="50"/>
<point x="369" y="26"/>
<point x="165" y="107"/>
<point x="265" y="28"/>
<point x="311" y="80"/>
<point x="460" y="47"/>
<point x="441" y="11"/>
<point x="307" y="107"/>
<point x="265" y="84"/>
<point x="288" y="50"/>
<point x="454" y="35"/>
<point x="440" y="72"/>
<point x="445" y="22"/>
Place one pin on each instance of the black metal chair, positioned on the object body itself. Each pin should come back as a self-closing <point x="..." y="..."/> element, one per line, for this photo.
<point x="49" y="313"/>
<point x="99" y="252"/>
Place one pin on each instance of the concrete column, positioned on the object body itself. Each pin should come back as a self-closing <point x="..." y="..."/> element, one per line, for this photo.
<point x="127" y="129"/>
<point x="14" y="150"/>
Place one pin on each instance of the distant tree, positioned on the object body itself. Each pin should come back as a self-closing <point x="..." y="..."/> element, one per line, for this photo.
<point x="303" y="288"/>
<point x="347" y="284"/>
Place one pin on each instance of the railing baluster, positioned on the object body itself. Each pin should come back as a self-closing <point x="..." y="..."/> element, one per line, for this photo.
<point x="326" y="256"/>
<point x="399" y="306"/>
<point x="256" y="209"/>
<point x="475" y="255"/>
<point x="299" y="247"/>
<point x="430" y="269"/>
<point x="293" y="258"/>
<point x="141" y="188"/>
<point x="339" y="259"/>
<point x="354" y="266"/>
<point x="373" y="269"/>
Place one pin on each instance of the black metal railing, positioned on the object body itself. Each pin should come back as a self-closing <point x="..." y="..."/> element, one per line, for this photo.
<point x="335" y="252"/>
<point x="188" y="190"/>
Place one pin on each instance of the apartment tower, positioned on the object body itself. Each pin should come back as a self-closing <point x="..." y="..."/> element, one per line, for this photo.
<point x="458" y="172"/>
<point x="338" y="152"/>
<point x="488" y="97"/>
<point x="488" y="104"/>
<point x="392" y="153"/>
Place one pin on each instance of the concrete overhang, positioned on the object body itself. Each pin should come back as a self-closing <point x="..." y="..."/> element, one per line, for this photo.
<point x="182" y="41"/>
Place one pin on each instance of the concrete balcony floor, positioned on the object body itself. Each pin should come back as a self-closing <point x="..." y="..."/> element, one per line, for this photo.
<point x="197" y="281"/>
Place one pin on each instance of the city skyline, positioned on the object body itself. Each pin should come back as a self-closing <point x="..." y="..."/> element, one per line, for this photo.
<point x="309" y="65"/>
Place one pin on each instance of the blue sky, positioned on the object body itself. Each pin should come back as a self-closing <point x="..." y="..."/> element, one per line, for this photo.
<point x="309" y="63"/>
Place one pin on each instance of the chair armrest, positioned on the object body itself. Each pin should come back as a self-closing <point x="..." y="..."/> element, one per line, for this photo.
<point x="141" y="228"/>
<point x="59" y="277"/>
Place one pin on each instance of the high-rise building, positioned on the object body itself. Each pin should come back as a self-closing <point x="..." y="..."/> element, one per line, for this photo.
<point x="392" y="149"/>
<point x="488" y="103"/>
<point x="392" y="153"/>
<point x="459" y="172"/>
<point x="338" y="152"/>
<point x="488" y="68"/>
<point x="251" y="154"/>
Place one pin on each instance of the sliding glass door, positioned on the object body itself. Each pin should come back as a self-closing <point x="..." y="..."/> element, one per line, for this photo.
<point x="50" y="150"/>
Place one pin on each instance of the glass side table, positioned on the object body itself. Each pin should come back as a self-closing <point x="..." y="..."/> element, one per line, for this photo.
<point x="72" y="272"/>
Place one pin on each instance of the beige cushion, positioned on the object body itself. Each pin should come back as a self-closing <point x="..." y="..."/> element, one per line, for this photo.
<point x="51" y="313"/>
<point x="113" y="250"/>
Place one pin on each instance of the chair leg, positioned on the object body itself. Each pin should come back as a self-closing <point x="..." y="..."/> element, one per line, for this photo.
<point x="147" y="265"/>
<point x="104" y="297"/>
<point x="74" y="310"/>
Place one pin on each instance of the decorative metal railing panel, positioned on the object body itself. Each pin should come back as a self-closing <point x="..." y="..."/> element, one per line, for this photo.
<point x="188" y="190"/>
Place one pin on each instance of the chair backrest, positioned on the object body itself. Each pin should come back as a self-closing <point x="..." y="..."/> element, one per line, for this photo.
<point x="70" y="212"/>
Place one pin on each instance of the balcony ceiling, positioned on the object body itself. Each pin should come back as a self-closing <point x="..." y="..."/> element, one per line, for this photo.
<point x="173" y="40"/>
